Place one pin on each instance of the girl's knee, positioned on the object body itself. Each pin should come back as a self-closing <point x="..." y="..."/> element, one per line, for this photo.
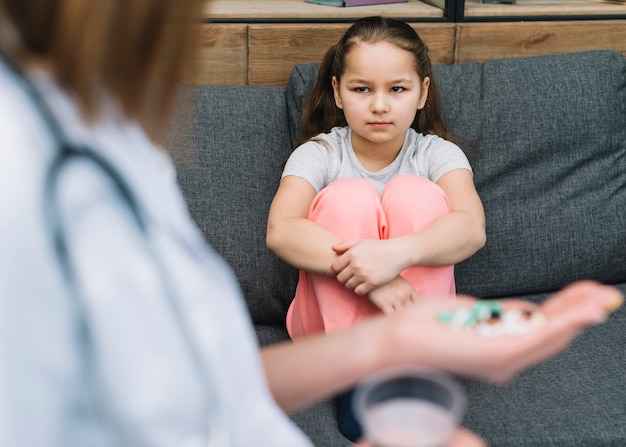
<point x="349" y="189"/>
<point x="411" y="203"/>
<point x="413" y="183"/>
<point x="415" y="192"/>
<point x="348" y="197"/>
<point x="350" y="208"/>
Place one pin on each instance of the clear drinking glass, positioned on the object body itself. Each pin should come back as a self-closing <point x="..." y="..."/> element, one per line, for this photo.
<point x="409" y="408"/>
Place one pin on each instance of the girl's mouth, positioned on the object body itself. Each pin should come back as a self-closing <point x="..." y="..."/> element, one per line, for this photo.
<point x="380" y="124"/>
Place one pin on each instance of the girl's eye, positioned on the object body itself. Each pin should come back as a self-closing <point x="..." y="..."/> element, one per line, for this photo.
<point x="361" y="89"/>
<point x="397" y="89"/>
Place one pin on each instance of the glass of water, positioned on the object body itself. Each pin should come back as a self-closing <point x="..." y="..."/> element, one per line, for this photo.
<point x="409" y="408"/>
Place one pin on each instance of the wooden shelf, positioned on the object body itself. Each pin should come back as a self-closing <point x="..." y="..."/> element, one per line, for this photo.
<point x="542" y="8"/>
<point x="299" y="10"/>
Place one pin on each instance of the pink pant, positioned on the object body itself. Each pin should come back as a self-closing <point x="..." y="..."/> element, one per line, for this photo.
<point x="353" y="209"/>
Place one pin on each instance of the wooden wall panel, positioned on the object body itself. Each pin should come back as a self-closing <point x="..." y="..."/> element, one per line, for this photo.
<point x="223" y="58"/>
<point x="275" y="48"/>
<point x="484" y="41"/>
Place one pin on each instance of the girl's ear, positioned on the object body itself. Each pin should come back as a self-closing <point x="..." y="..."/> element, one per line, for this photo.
<point x="336" y="93"/>
<point x="424" y="93"/>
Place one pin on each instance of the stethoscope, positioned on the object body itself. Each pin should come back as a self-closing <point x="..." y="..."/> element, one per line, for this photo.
<point x="67" y="151"/>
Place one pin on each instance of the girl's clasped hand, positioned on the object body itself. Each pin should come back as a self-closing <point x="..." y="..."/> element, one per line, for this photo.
<point x="367" y="264"/>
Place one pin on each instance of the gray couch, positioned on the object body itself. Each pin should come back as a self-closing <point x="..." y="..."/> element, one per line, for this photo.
<point x="547" y="138"/>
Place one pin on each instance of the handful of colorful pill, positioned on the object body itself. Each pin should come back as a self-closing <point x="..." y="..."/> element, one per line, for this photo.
<point x="489" y="319"/>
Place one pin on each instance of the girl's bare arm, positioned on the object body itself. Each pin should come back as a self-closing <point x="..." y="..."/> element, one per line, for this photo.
<point x="292" y="236"/>
<point x="457" y="235"/>
<point x="365" y="265"/>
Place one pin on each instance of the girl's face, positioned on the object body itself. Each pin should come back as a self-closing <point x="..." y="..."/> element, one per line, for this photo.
<point x="380" y="93"/>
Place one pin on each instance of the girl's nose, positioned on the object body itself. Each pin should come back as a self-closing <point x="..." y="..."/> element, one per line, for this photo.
<point x="379" y="104"/>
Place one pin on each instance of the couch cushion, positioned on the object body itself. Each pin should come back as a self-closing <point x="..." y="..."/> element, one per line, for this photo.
<point x="547" y="138"/>
<point x="228" y="164"/>
<point x="299" y="88"/>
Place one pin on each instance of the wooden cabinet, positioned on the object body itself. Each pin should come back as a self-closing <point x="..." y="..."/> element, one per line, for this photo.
<point x="223" y="55"/>
<point x="258" y="42"/>
<point x="274" y="49"/>
<point x="483" y="41"/>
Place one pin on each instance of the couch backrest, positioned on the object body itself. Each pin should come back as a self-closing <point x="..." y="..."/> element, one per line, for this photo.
<point x="547" y="139"/>
<point x="228" y="163"/>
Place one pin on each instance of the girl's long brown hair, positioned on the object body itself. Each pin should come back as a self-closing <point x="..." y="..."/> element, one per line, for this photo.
<point x="134" y="50"/>
<point x="321" y="114"/>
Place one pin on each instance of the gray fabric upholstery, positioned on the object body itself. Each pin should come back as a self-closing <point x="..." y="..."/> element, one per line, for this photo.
<point x="550" y="167"/>
<point x="229" y="168"/>
<point x="299" y="88"/>
<point x="547" y="137"/>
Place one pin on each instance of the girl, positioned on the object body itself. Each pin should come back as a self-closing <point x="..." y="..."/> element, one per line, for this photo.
<point x="376" y="205"/>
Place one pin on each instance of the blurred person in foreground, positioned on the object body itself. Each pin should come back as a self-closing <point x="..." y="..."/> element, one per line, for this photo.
<point x="118" y="324"/>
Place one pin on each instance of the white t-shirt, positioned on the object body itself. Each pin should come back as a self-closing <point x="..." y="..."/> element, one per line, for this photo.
<point x="321" y="163"/>
<point x="126" y="363"/>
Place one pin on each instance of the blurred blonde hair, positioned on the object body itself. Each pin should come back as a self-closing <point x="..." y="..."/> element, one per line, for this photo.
<point x="132" y="50"/>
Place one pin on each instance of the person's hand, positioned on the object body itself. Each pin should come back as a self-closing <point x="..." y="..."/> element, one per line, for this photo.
<point x="366" y="264"/>
<point x="462" y="438"/>
<point x="394" y="296"/>
<point x="416" y="337"/>
<point x="420" y="337"/>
